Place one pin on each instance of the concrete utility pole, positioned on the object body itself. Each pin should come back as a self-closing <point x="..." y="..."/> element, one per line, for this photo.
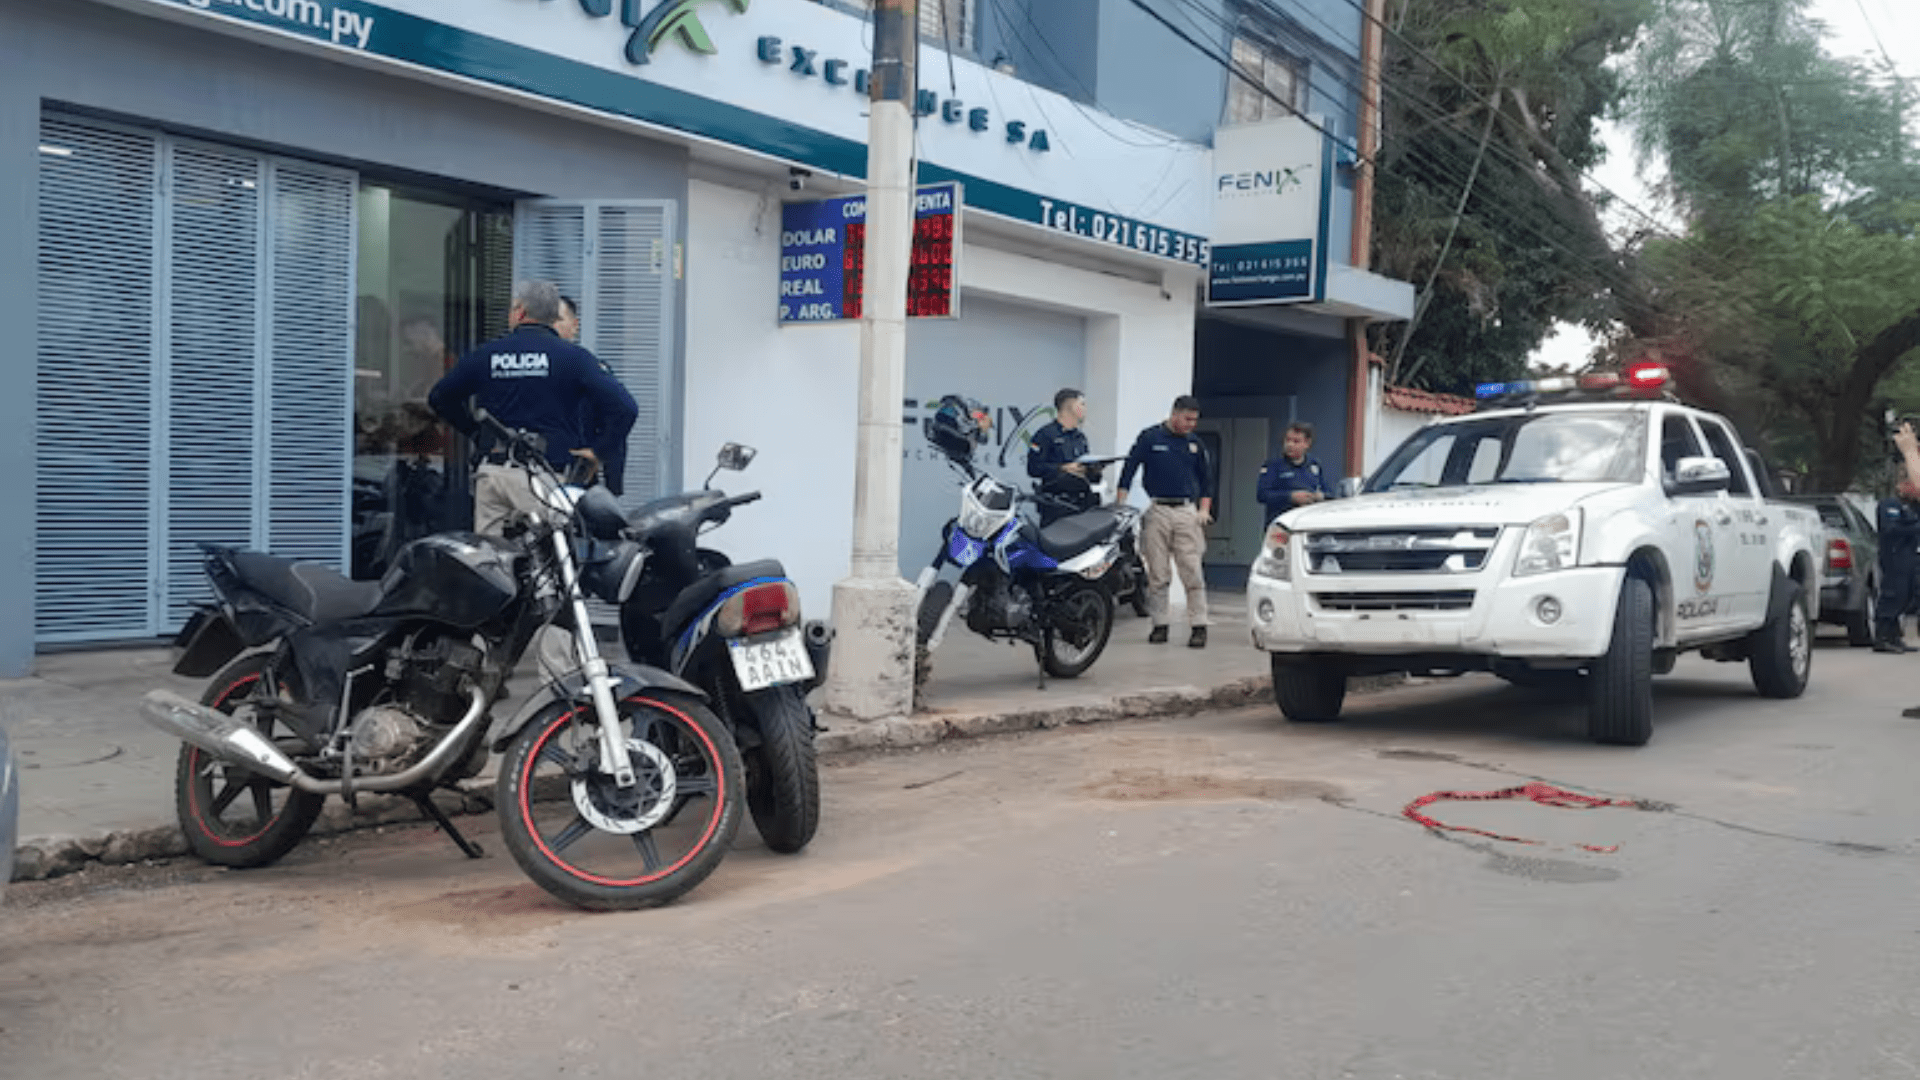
<point x="871" y="674"/>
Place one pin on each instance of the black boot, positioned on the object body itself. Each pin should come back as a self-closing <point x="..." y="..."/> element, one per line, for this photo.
<point x="1158" y="636"/>
<point x="1197" y="639"/>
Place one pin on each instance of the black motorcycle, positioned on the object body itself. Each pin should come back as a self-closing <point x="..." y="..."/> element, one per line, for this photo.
<point x="619" y="787"/>
<point x="735" y="632"/>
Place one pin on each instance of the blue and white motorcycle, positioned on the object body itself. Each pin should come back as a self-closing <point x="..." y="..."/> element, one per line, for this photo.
<point x="1017" y="582"/>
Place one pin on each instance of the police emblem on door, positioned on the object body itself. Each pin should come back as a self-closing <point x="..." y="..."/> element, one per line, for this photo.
<point x="1702" y="556"/>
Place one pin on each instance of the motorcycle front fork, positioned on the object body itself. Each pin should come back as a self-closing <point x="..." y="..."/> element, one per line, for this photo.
<point x="614" y="758"/>
<point x="960" y="594"/>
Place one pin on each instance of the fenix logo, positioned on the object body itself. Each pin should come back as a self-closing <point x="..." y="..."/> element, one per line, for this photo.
<point x="1276" y="181"/>
<point x="519" y="365"/>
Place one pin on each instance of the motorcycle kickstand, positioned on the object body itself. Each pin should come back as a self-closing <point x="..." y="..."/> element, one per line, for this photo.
<point x="425" y="802"/>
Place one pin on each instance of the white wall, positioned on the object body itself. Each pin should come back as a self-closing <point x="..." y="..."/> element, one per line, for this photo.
<point x="1390" y="428"/>
<point x="793" y="393"/>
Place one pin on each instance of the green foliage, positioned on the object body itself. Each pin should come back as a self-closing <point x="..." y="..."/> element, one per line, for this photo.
<point x="1531" y="78"/>
<point x="1797" y="285"/>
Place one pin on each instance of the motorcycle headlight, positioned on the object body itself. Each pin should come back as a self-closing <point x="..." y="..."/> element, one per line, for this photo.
<point x="1551" y="543"/>
<point x="1276" y="560"/>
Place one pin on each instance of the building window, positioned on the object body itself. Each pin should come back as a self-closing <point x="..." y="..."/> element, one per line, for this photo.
<point x="941" y="21"/>
<point x="1282" y="76"/>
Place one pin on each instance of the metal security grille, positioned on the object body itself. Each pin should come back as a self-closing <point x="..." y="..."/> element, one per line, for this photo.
<point x="615" y="258"/>
<point x="196" y="316"/>
<point x="97" y="364"/>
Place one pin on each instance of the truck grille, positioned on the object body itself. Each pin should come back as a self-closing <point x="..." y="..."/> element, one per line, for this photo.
<point x="1448" y="600"/>
<point x="1401" y="551"/>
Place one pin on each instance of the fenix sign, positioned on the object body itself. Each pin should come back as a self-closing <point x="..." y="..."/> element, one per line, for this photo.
<point x="1272" y="200"/>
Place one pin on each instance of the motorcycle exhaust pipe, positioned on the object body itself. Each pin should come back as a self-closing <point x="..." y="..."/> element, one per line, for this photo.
<point x="819" y="641"/>
<point x="232" y="741"/>
<point x="218" y="734"/>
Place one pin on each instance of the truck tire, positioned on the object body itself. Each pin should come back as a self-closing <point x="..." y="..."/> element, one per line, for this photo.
<point x="1780" y="656"/>
<point x="1620" y="683"/>
<point x="1860" y="620"/>
<point x="1309" y="693"/>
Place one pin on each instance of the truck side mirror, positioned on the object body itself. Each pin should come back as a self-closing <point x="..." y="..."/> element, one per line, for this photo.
<point x="1699" y="475"/>
<point x="1348" y="488"/>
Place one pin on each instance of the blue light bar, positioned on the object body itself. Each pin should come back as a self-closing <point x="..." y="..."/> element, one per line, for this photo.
<point x="1524" y="386"/>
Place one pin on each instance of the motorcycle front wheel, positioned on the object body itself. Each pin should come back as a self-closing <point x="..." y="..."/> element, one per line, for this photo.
<point x="1080" y="622"/>
<point x="596" y="845"/>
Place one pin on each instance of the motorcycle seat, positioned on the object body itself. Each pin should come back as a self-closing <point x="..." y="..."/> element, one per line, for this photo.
<point x="694" y="598"/>
<point x="1080" y="533"/>
<point x="314" y="591"/>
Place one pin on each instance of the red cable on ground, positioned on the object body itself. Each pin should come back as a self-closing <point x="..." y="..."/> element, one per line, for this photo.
<point x="1544" y="794"/>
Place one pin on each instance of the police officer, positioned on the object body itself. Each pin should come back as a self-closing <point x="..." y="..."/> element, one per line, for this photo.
<point x="1053" y="459"/>
<point x="534" y="379"/>
<point x="1292" y="479"/>
<point x="613" y="466"/>
<point x="1899" y="521"/>
<point x="1179" y="479"/>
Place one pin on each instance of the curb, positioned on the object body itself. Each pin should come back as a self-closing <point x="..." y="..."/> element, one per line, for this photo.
<point x="44" y="858"/>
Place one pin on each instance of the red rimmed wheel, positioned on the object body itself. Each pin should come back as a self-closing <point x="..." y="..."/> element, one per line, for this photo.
<point x="230" y="815"/>
<point x="597" y="845"/>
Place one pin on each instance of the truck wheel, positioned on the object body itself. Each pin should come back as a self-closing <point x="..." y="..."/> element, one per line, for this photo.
<point x="1860" y="620"/>
<point x="1620" y="683"/>
<point x="1781" y="653"/>
<point x="1309" y="693"/>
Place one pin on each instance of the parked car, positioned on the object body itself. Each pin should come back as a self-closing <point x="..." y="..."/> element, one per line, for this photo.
<point x="9" y="810"/>
<point x="1850" y="571"/>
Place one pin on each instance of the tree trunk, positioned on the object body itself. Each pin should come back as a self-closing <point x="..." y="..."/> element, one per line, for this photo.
<point x="1872" y="363"/>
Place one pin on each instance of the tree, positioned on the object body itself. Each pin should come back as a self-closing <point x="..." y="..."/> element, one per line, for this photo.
<point x="1797" y="282"/>
<point x="1490" y="121"/>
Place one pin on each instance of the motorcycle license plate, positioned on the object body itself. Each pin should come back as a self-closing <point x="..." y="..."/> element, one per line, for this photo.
<point x="776" y="662"/>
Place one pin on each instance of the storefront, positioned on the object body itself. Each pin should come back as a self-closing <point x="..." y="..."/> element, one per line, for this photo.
<point x="257" y="231"/>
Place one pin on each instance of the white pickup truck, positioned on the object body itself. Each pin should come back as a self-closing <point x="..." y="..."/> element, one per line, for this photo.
<point x="1573" y="530"/>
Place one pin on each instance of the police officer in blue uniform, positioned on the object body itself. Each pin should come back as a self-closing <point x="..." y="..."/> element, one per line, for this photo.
<point x="1899" y="520"/>
<point x="1179" y="478"/>
<point x="613" y="467"/>
<point x="1292" y="479"/>
<point x="536" y="380"/>
<point x="1053" y="459"/>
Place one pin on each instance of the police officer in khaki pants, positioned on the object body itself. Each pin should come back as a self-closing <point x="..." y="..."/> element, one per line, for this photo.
<point x="1179" y="479"/>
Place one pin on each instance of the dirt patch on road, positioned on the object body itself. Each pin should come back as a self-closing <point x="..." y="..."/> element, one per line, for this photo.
<point x="1156" y="785"/>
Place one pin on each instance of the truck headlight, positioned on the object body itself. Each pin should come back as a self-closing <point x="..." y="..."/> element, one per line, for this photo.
<point x="1275" y="561"/>
<point x="1552" y="543"/>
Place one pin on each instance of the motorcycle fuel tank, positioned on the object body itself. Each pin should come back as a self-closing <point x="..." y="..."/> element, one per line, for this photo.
<point x="462" y="579"/>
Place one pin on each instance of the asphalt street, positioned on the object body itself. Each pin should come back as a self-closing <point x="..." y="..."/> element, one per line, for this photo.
<point x="1219" y="896"/>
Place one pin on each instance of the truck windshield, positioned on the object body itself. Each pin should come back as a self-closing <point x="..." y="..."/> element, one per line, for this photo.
<point x="1521" y="448"/>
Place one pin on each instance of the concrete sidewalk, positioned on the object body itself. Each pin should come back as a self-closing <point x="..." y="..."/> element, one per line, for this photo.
<point x="97" y="782"/>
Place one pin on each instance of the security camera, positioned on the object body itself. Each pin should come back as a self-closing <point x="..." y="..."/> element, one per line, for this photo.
<point x="797" y="179"/>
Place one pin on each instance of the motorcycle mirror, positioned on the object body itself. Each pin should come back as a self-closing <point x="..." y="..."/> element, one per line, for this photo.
<point x="734" y="457"/>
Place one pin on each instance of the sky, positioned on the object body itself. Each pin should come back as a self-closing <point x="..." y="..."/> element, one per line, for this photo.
<point x="1856" y="28"/>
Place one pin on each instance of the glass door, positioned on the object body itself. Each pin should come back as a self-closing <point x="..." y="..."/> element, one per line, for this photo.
<point x="434" y="280"/>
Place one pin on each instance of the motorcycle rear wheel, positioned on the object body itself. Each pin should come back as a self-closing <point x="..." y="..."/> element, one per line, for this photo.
<point x="1090" y="611"/>
<point x="600" y="847"/>
<point x="213" y="799"/>
<point x="783" y="779"/>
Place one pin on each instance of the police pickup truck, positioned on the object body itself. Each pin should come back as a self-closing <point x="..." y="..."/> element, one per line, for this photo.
<point x="1582" y="531"/>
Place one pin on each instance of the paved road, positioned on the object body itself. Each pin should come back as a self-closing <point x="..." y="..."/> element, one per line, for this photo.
<point x="1214" y="897"/>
